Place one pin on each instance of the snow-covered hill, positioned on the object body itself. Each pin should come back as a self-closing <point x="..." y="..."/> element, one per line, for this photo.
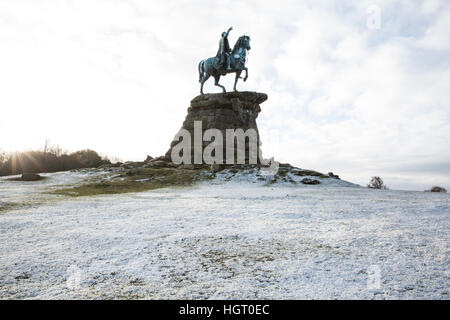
<point x="225" y="238"/>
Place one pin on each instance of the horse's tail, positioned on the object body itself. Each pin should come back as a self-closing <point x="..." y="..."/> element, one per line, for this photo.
<point x="201" y="70"/>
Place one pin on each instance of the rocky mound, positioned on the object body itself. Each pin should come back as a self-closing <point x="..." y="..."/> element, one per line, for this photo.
<point x="220" y="111"/>
<point x="160" y="173"/>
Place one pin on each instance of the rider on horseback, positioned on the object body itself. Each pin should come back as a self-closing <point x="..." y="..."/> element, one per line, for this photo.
<point x="223" y="55"/>
<point x="226" y="61"/>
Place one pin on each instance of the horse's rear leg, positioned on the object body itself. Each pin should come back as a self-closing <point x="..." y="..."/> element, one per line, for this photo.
<point x="206" y="77"/>
<point x="217" y="83"/>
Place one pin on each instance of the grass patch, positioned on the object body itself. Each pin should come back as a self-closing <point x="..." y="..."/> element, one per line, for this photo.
<point x="9" y="206"/>
<point x="6" y="206"/>
<point x="135" y="180"/>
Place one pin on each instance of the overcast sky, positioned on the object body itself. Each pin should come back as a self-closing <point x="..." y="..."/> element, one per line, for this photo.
<point x="360" y="88"/>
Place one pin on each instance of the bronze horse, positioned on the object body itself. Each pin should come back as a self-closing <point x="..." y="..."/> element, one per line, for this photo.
<point x="208" y="67"/>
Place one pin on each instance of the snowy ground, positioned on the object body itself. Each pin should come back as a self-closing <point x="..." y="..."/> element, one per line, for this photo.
<point x="231" y="240"/>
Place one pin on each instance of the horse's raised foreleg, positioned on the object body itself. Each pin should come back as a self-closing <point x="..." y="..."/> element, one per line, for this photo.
<point x="217" y="78"/>
<point x="246" y="73"/>
<point x="238" y="75"/>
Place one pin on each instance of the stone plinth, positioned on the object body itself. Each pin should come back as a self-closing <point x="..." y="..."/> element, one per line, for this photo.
<point x="222" y="111"/>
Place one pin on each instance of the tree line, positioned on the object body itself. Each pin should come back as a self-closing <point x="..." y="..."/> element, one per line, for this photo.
<point x="50" y="159"/>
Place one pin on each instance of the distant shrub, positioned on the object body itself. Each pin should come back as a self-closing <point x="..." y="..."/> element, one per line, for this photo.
<point x="377" y="183"/>
<point x="437" y="189"/>
<point x="87" y="158"/>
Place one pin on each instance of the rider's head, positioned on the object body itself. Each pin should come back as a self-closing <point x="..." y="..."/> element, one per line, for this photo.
<point x="224" y="34"/>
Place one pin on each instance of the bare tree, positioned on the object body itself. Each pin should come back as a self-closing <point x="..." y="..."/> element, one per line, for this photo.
<point x="3" y="156"/>
<point x="377" y="183"/>
<point x="46" y="145"/>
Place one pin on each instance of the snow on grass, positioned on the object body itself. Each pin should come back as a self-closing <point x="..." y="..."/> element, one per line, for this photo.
<point x="232" y="240"/>
<point x="257" y="176"/>
<point x="22" y="194"/>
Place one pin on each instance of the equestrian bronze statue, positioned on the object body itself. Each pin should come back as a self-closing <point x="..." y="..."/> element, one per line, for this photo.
<point x="226" y="61"/>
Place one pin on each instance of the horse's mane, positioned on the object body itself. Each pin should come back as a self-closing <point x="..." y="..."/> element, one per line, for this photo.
<point x="239" y="43"/>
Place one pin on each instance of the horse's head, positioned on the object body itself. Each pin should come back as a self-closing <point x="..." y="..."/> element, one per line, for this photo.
<point x="246" y="42"/>
<point x="242" y="42"/>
